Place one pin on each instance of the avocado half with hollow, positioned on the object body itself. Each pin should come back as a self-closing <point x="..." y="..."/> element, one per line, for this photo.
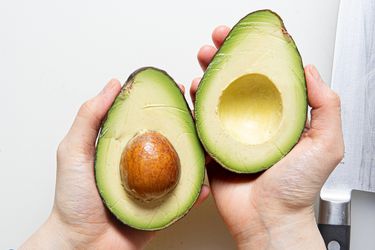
<point x="149" y="164"/>
<point x="251" y="104"/>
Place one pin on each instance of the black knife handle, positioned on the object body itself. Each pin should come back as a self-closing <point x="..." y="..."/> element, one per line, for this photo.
<point x="338" y="233"/>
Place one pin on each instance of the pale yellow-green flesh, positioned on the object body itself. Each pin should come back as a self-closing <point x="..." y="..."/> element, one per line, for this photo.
<point x="153" y="103"/>
<point x="250" y="109"/>
<point x="233" y="131"/>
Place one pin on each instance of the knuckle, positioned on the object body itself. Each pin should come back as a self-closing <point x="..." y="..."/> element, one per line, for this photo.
<point x="86" y="107"/>
<point x="89" y="110"/>
<point x="333" y="149"/>
<point x="62" y="148"/>
<point x="340" y="153"/>
<point x="338" y="158"/>
<point x="334" y="98"/>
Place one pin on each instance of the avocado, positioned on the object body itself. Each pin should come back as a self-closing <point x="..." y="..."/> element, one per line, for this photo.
<point x="149" y="164"/>
<point x="251" y="105"/>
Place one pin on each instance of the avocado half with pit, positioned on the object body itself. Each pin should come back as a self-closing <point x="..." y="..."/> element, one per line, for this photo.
<point x="251" y="104"/>
<point x="149" y="164"/>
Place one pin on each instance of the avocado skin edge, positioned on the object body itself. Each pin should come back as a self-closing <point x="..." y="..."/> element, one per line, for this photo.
<point x="127" y="87"/>
<point x="284" y="30"/>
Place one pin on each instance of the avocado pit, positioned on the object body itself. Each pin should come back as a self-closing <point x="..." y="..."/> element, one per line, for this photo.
<point x="149" y="166"/>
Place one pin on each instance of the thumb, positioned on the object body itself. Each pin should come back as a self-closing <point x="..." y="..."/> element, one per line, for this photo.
<point x="82" y="135"/>
<point x="326" y="108"/>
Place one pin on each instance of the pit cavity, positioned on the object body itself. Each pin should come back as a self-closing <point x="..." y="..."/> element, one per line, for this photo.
<point x="250" y="109"/>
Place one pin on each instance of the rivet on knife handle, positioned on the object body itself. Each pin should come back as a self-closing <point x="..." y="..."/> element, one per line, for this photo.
<point x="334" y="224"/>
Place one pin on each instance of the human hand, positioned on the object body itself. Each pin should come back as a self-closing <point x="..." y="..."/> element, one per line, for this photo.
<point x="274" y="209"/>
<point x="79" y="219"/>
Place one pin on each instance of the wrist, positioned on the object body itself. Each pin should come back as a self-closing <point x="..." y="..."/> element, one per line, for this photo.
<point x="288" y="231"/>
<point x="51" y="235"/>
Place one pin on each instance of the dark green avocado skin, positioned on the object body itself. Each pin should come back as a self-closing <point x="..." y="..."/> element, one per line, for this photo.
<point x="218" y="59"/>
<point x="126" y="90"/>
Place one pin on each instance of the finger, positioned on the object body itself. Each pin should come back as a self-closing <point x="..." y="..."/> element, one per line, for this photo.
<point x="326" y="148"/>
<point x="208" y="159"/>
<point x="194" y="87"/>
<point x="219" y="34"/>
<point x="137" y="238"/>
<point x="219" y="176"/>
<point x="88" y="120"/>
<point x="325" y="104"/>
<point x="182" y="88"/>
<point x="205" y="55"/>
<point x="203" y="195"/>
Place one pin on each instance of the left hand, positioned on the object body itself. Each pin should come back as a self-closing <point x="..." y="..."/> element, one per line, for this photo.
<point x="78" y="218"/>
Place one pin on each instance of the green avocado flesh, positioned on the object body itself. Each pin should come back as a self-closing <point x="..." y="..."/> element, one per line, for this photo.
<point x="251" y="104"/>
<point x="149" y="101"/>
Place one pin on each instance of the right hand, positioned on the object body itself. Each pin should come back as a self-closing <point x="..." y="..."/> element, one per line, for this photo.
<point x="274" y="209"/>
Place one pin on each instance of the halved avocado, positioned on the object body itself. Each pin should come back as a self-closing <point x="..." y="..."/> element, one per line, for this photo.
<point x="149" y="164"/>
<point x="251" y="104"/>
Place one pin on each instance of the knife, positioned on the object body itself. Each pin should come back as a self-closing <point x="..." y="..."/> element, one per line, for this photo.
<point x="353" y="78"/>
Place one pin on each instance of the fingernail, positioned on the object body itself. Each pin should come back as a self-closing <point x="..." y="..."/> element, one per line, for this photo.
<point x="314" y="72"/>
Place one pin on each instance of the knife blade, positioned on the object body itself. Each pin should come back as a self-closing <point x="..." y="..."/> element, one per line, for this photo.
<point x="353" y="78"/>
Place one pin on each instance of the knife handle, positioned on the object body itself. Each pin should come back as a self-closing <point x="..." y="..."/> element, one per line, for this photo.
<point x="336" y="237"/>
<point x="334" y="224"/>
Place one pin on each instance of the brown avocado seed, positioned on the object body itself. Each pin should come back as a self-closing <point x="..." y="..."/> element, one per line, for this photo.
<point x="149" y="167"/>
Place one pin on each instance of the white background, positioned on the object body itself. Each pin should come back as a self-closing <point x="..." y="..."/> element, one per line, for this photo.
<point x="56" y="54"/>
